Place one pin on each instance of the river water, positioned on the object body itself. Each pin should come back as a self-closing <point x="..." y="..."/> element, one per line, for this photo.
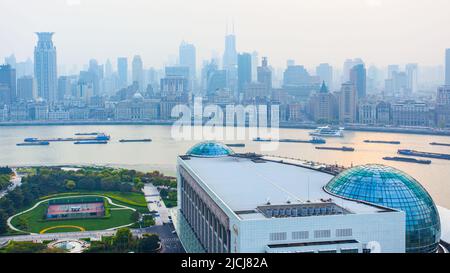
<point x="161" y="153"/>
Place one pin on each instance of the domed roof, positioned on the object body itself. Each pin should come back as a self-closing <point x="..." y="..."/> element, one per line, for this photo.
<point x="395" y="189"/>
<point x="138" y="96"/>
<point x="210" y="149"/>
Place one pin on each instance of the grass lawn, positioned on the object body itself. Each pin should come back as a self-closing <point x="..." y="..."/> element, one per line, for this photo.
<point x="126" y="198"/>
<point x="36" y="222"/>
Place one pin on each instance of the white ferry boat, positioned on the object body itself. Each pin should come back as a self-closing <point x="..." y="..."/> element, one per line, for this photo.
<point x="328" y="131"/>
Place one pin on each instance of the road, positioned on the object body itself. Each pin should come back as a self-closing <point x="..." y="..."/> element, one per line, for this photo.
<point x="155" y="203"/>
<point x="169" y="240"/>
<point x="16" y="180"/>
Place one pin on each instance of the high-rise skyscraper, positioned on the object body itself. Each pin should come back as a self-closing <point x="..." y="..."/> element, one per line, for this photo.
<point x="137" y="72"/>
<point x="122" y="69"/>
<point x="325" y="73"/>
<point x="25" y="88"/>
<point x="347" y="103"/>
<point x="244" y="70"/>
<point x="265" y="74"/>
<point x="447" y="66"/>
<point x="45" y="67"/>
<point x="358" y="78"/>
<point x="411" y="71"/>
<point x="188" y="58"/>
<point x="230" y="62"/>
<point x="8" y="84"/>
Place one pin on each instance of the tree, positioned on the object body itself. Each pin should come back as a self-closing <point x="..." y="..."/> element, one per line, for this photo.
<point x="3" y="218"/>
<point x="123" y="239"/>
<point x="70" y="184"/>
<point x="148" y="244"/>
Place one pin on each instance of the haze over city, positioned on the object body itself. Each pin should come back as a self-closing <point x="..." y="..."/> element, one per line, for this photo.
<point x="380" y="32"/>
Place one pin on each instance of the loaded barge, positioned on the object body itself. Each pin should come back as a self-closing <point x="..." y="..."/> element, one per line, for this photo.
<point x="382" y="142"/>
<point x="408" y="160"/>
<point x="99" y="137"/>
<point x="424" y="154"/>
<point x="314" y="140"/>
<point x="343" y="148"/>
<point x="38" y="143"/>
<point x="440" y="144"/>
<point x="136" y="140"/>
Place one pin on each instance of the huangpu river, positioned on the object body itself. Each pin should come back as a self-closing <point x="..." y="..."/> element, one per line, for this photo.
<point x="161" y="153"/>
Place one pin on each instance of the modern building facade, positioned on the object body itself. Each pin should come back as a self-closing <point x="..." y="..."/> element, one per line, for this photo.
<point x="347" y="103"/>
<point x="188" y="58"/>
<point x="325" y="72"/>
<point x="137" y="72"/>
<point x="122" y="70"/>
<point x="45" y="67"/>
<point x="358" y="78"/>
<point x="7" y="85"/>
<point x="447" y="66"/>
<point x="245" y="203"/>
<point x="244" y="70"/>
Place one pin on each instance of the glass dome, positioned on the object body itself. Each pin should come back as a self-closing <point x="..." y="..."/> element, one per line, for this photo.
<point x="210" y="149"/>
<point x="392" y="188"/>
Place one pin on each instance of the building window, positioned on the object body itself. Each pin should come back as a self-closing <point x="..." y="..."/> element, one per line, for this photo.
<point x="327" y="251"/>
<point x="349" y="250"/>
<point x="322" y="233"/>
<point x="345" y="232"/>
<point x="298" y="235"/>
<point x="278" y="236"/>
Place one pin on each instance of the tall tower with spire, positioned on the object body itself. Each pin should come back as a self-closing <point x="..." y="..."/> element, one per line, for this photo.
<point x="45" y="67"/>
<point x="230" y="60"/>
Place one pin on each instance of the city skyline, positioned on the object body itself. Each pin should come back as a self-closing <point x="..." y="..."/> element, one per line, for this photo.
<point x="157" y="39"/>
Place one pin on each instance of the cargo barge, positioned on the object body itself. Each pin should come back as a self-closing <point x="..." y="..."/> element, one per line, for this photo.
<point x="136" y="140"/>
<point x="343" y="148"/>
<point x="91" y="142"/>
<point x="424" y="154"/>
<point x="237" y="145"/>
<point x="408" y="160"/>
<point x="382" y="142"/>
<point x="38" y="143"/>
<point x="314" y="140"/>
<point x="440" y="144"/>
<point x="99" y="137"/>
<point x="88" y="134"/>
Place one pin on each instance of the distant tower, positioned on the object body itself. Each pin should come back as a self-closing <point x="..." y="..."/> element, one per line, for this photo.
<point x="188" y="58"/>
<point x="230" y="61"/>
<point x="138" y="72"/>
<point x="244" y="70"/>
<point x="122" y="69"/>
<point x="358" y="78"/>
<point x="45" y="67"/>
<point x="325" y="73"/>
<point x="447" y="66"/>
<point x="7" y="85"/>
<point x="264" y="74"/>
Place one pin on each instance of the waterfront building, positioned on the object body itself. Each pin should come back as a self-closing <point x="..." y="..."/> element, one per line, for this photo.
<point x="384" y="115"/>
<point x="358" y="78"/>
<point x="19" y="112"/>
<point x="367" y="112"/>
<point x="59" y="115"/>
<point x="25" y="88"/>
<point x="443" y="106"/>
<point x="295" y="112"/>
<point x="323" y="105"/>
<point x="122" y="69"/>
<point x="244" y="70"/>
<point x="45" y="68"/>
<point x="296" y="207"/>
<point x="137" y="108"/>
<point x="137" y="72"/>
<point x="347" y="99"/>
<point x="411" y="113"/>
<point x="325" y="73"/>
<point x="447" y="66"/>
<point x="64" y="87"/>
<point x="7" y="84"/>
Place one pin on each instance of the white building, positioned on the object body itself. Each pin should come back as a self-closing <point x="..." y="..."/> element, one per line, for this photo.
<point x="246" y="204"/>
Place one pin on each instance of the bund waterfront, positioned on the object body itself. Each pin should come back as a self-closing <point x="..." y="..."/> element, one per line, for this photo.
<point x="161" y="153"/>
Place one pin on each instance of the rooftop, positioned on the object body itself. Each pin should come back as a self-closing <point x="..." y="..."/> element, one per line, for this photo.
<point x="247" y="186"/>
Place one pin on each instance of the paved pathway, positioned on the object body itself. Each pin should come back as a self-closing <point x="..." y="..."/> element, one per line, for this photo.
<point x="16" y="181"/>
<point x="155" y="203"/>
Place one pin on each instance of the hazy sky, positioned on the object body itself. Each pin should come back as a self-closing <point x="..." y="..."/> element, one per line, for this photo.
<point x="309" y="31"/>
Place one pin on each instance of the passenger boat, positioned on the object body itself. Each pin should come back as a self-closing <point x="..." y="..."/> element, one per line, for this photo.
<point x="408" y="160"/>
<point x="328" y="131"/>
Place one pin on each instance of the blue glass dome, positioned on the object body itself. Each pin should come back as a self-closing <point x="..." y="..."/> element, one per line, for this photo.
<point x="392" y="188"/>
<point x="210" y="149"/>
